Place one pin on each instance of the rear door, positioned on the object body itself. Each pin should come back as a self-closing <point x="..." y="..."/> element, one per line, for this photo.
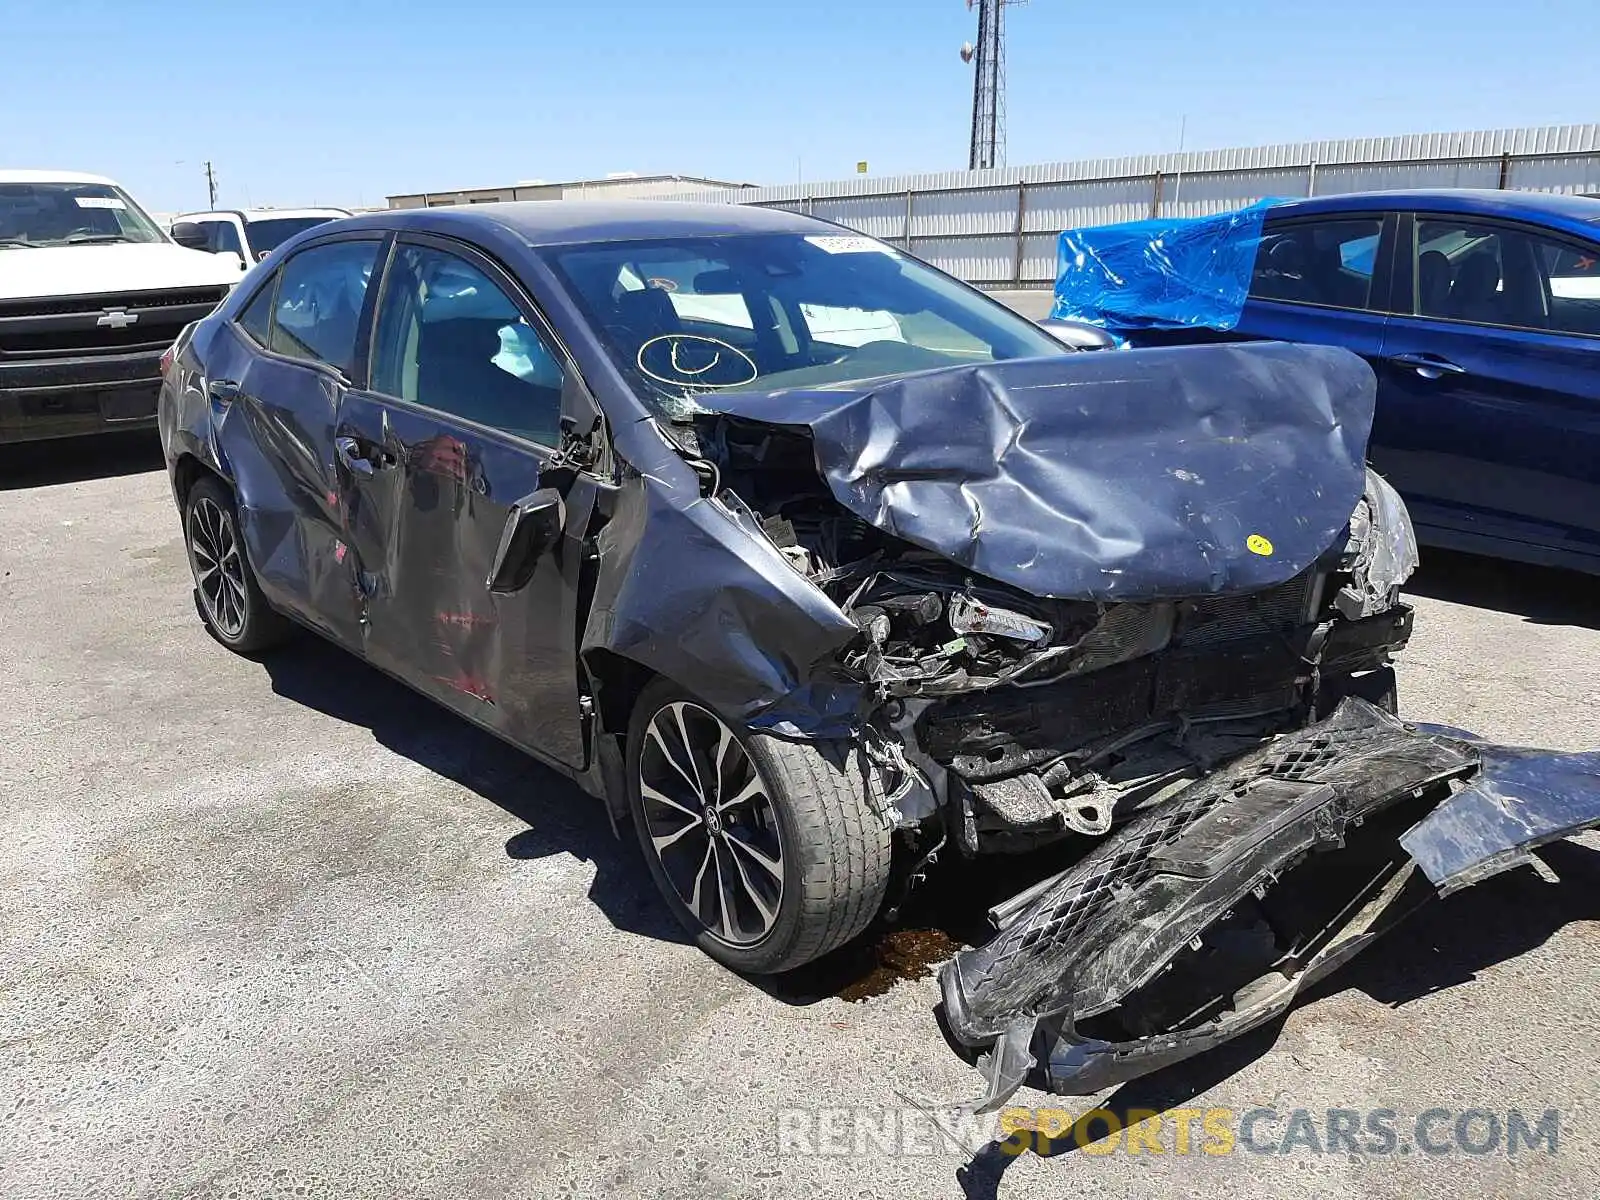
<point x="1489" y="389"/>
<point x="459" y="421"/>
<point x="276" y="377"/>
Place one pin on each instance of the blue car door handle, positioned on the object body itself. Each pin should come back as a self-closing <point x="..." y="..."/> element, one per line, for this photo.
<point x="223" y="391"/>
<point x="1429" y="366"/>
<point x="361" y="459"/>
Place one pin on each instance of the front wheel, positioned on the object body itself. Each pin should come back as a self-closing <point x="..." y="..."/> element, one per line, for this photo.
<point x="226" y="593"/>
<point x="767" y="851"/>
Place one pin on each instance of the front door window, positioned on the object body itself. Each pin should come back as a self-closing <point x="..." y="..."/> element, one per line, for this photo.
<point x="1329" y="263"/>
<point x="450" y="339"/>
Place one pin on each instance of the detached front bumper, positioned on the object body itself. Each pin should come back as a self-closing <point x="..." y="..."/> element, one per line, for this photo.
<point x="65" y="397"/>
<point x="1206" y="917"/>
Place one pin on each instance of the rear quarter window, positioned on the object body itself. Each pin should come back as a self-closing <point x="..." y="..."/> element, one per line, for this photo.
<point x="256" y="319"/>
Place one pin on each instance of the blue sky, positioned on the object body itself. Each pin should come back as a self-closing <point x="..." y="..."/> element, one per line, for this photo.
<point x="343" y="101"/>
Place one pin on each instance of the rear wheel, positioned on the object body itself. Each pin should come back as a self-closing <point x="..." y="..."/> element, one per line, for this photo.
<point x="767" y="851"/>
<point x="226" y="593"/>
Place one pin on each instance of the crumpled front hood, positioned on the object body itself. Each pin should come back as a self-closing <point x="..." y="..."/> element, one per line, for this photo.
<point x="1113" y="476"/>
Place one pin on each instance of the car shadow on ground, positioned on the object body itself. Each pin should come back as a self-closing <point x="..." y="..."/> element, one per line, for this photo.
<point x="561" y="818"/>
<point x="1541" y="595"/>
<point x="75" y="460"/>
<point x="1444" y="944"/>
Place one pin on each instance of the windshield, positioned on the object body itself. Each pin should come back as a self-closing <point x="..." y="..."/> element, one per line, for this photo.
<point x="69" y="214"/>
<point x="269" y="233"/>
<point x="683" y="317"/>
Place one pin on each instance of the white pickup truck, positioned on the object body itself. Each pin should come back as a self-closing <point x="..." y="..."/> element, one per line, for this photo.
<point x="91" y="292"/>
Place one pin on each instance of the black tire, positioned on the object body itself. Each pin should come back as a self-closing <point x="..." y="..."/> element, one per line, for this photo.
<point x="834" y="847"/>
<point x="237" y="615"/>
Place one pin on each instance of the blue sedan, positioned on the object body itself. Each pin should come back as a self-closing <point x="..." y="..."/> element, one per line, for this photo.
<point x="1479" y="311"/>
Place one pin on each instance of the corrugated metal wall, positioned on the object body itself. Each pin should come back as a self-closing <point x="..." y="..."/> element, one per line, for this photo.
<point x="621" y="188"/>
<point x="998" y="228"/>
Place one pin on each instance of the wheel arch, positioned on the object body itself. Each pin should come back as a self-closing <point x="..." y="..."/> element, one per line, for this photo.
<point x="614" y="684"/>
<point x="187" y="471"/>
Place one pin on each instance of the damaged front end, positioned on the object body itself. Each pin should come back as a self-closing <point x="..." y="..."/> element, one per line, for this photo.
<point x="1140" y="608"/>
<point x="1080" y="585"/>
<point x="1206" y="917"/>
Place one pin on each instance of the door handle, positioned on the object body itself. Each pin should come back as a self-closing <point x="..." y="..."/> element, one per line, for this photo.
<point x="1429" y="366"/>
<point x="352" y="455"/>
<point x="223" y="391"/>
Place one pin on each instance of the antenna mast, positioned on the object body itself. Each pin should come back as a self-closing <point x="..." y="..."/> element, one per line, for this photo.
<point x="988" y="147"/>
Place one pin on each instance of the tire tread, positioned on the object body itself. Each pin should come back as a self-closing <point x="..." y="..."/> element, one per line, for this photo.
<point x="843" y="893"/>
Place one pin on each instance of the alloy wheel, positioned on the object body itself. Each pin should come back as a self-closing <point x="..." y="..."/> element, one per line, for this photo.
<point x="218" y="567"/>
<point x="711" y="824"/>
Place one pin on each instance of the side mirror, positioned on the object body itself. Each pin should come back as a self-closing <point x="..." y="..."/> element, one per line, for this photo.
<point x="532" y="527"/>
<point x="187" y="233"/>
<point x="1079" y="335"/>
<point x="579" y="414"/>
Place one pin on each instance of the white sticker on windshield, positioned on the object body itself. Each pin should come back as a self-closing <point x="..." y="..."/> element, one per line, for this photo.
<point x="99" y="202"/>
<point x="844" y="244"/>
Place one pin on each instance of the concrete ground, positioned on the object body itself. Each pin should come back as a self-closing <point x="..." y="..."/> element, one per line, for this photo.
<point x="282" y="929"/>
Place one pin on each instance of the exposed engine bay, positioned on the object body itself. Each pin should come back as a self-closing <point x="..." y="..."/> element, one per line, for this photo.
<point x="1035" y="718"/>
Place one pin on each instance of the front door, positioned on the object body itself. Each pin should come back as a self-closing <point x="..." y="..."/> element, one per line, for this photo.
<point x="1489" y="391"/>
<point x="460" y="419"/>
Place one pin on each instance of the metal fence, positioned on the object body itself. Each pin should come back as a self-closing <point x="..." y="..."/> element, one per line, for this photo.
<point x="998" y="228"/>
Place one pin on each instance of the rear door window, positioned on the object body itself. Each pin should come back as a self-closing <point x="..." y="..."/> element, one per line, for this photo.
<point x="1329" y="263"/>
<point x="317" y="312"/>
<point x="1509" y="276"/>
<point x="1461" y="273"/>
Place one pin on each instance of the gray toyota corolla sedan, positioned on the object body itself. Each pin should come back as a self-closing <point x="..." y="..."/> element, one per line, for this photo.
<point x="815" y="565"/>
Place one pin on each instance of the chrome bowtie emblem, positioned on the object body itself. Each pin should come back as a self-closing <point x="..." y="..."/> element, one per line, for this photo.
<point x="116" y="318"/>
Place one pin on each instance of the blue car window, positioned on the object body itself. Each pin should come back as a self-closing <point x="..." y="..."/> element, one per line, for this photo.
<point x="1572" y="287"/>
<point x="1488" y="274"/>
<point x="1327" y="263"/>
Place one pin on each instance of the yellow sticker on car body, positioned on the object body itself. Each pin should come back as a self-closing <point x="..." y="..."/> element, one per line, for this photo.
<point x="1257" y="544"/>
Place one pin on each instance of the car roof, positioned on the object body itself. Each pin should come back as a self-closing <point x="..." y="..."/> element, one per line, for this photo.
<point x="262" y="214"/>
<point x="1544" y="207"/>
<point x="21" y="176"/>
<point x="562" y="222"/>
